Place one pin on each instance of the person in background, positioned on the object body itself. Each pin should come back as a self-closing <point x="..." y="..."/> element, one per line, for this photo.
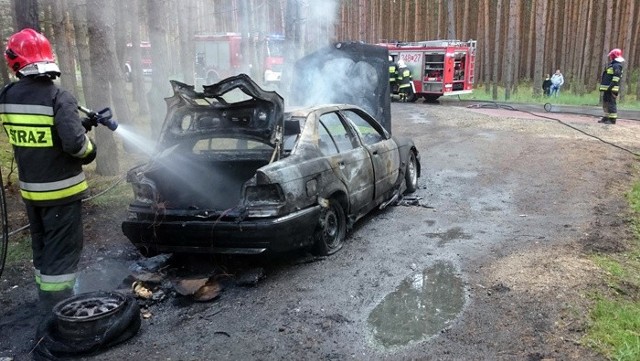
<point x="556" y="83"/>
<point x="404" y="81"/>
<point x="50" y="147"/>
<point x="546" y="86"/>
<point x="610" y="86"/>
<point x="393" y="74"/>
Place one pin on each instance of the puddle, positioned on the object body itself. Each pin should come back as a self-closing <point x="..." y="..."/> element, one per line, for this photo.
<point x="422" y="305"/>
<point x="450" y="235"/>
<point x="105" y="275"/>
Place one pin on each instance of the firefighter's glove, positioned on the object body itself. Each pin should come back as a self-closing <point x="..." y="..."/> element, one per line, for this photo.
<point x="90" y="121"/>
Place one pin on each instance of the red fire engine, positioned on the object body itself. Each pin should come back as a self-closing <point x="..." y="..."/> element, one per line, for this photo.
<point x="145" y="50"/>
<point x="438" y="67"/>
<point x="220" y="55"/>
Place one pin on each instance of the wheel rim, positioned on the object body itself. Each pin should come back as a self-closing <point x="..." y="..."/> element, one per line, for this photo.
<point x="331" y="228"/>
<point x="89" y="306"/>
<point x="413" y="171"/>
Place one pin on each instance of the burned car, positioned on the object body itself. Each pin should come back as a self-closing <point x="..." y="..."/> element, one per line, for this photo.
<point x="245" y="177"/>
<point x="237" y="174"/>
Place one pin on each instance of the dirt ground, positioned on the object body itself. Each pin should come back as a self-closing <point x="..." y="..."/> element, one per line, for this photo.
<point x="510" y="207"/>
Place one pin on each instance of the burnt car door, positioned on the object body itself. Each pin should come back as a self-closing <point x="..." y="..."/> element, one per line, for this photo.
<point x="382" y="150"/>
<point x="349" y="160"/>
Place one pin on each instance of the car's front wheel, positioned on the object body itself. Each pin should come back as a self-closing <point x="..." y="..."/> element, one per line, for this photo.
<point x="411" y="173"/>
<point x="332" y="229"/>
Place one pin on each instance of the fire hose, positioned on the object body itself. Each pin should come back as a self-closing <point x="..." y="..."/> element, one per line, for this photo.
<point x="103" y="117"/>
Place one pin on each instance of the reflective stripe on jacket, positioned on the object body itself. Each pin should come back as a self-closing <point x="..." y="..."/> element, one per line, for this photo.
<point x="611" y="77"/>
<point x="49" y="141"/>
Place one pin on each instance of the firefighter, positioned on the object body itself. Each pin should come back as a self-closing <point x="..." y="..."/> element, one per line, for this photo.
<point x="50" y="146"/>
<point x="404" y="81"/>
<point x="610" y="86"/>
<point x="393" y="74"/>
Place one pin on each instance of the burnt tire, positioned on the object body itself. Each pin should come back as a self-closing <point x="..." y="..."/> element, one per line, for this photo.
<point x="332" y="229"/>
<point x="72" y="330"/>
<point x="411" y="173"/>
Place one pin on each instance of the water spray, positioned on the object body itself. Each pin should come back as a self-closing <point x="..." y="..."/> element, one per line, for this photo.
<point x="103" y="117"/>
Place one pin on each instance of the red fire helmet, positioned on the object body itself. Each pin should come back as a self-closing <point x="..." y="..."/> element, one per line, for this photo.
<point x="615" y="53"/>
<point x="29" y="52"/>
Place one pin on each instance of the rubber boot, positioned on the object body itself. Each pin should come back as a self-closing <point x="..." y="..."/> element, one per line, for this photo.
<point x="610" y="121"/>
<point x="49" y="299"/>
<point x="603" y="119"/>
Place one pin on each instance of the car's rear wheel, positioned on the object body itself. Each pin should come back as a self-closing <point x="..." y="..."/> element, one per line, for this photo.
<point x="332" y="229"/>
<point x="411" y="173"/>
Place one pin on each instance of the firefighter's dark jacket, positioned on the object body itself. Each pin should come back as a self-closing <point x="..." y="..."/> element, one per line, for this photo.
<point x="611" y="77"/>
<point x="404" y="77"/>
<point x="50" y="144"/>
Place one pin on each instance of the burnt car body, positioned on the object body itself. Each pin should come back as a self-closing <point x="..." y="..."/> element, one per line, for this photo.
<point x="237" y="174"/>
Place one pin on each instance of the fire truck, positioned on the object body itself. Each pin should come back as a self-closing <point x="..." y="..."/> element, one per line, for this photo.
<point x="145" y="51"/>
<point x="221" y="55"/>
<point x="438" y="67"/>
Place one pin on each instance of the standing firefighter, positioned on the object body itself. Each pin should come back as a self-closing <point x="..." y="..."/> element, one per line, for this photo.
<point x="393" y="74"/>
<point x="610" y="86"/>
<point x="405" y="82"/>
<point x="50" y="146"/>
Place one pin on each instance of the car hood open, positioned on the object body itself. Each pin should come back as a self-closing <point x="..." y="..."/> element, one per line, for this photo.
<point x="236" y="107"/>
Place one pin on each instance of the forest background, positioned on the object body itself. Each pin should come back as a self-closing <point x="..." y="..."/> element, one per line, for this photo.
<point x="518" y="41"/>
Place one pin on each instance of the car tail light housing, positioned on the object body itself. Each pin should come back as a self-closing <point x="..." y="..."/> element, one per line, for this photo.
<point x="263" y="200"/>
<point x="145" y="191"/>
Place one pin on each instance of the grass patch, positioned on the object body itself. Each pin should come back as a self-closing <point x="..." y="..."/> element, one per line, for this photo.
<point x="524" y="94"/>
<point x="109" y="192"/>
<point x="615" y="318"/>
<point x="19" y="249"/>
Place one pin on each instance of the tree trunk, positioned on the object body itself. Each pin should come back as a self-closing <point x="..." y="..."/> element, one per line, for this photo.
<point x="497" y="53"/>
<point x="4" y="70"/>
<point x="82" y="43"/>
<point x="26" y="14"/>
<point x="160" y="87"/>
<point x="186" y="42"/>
<point x="439" y="17"/>
<point x="465" y="21"/>
<point x="626" y="49"/>
<point x="64" y="56"/>
<point x="510" y="61"/>
<point x="584" y="78"/>
<point x="538" y="65"/>
<point x="596" y="63"/>
<point x="100" y="16"/>
<point x="530" y="41"/>
<point x="451" y="20"/>
<point x="487" y="51"/>
<point x="137" y="76"/>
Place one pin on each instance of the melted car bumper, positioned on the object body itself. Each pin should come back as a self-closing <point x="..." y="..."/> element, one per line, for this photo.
<point x="252" y="236"/>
